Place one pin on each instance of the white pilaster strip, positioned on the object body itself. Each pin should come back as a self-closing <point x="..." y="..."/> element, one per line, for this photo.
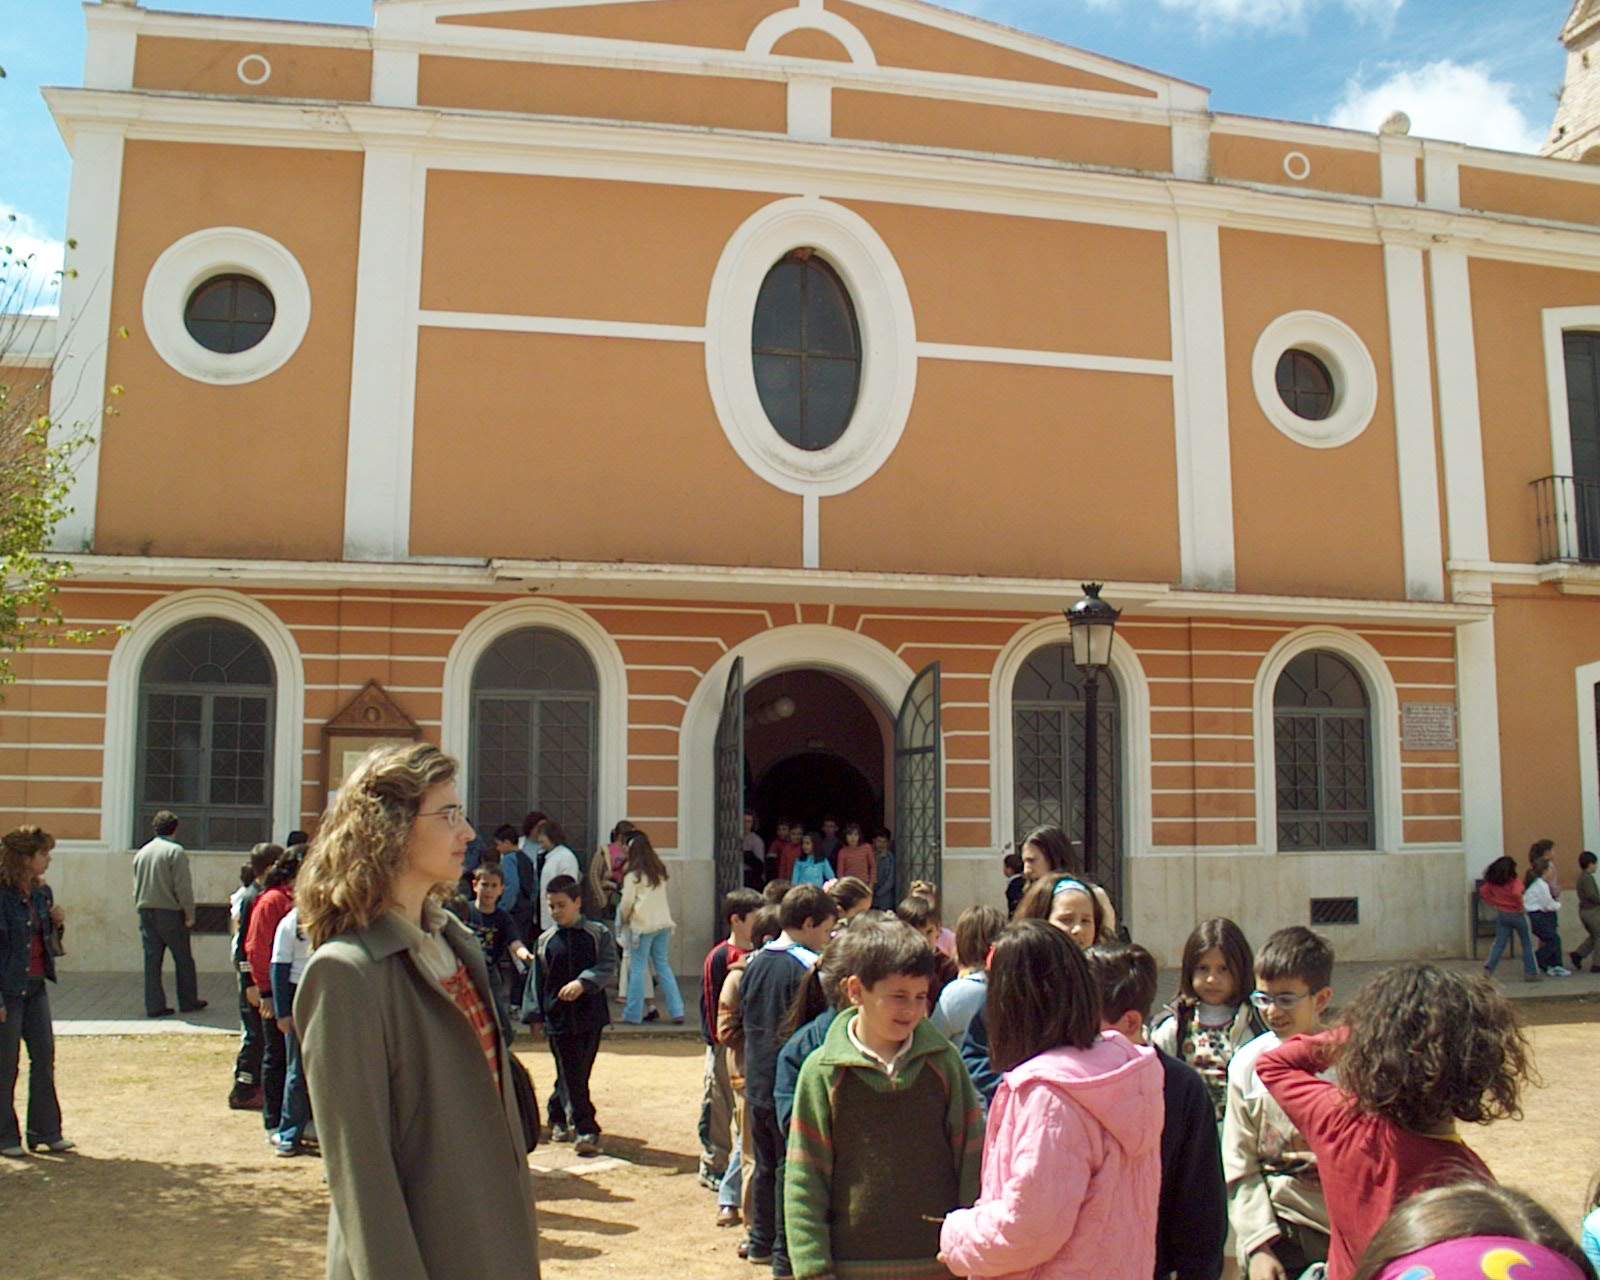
<point x="394" y="77"/>
<point x="1413" y="421"/>
<point x="1483" y="825"/>
<point x="1441" y="175"/>
<point x="78" y="385"/>
<point x="1398" y="164"/>
<point x="112" y="45"/>
<point x="1461" y="428"/>
<point x="1200" y="402"/>
<point x="1191" y="146"/>
<point x="383" y="376"/>
<point x="810" y="531"/>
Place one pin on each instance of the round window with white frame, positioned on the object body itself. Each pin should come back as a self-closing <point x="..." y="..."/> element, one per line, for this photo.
<point x="226" y="306"/>
<point x="1315" y="379"/>
<point x="811" y="349"/>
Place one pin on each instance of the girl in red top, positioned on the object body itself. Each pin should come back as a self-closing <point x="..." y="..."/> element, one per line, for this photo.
<point x="1422" y="1048"/>
<point x="1502" y="890"/>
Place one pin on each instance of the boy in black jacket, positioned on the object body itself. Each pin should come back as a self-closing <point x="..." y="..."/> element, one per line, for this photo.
<point x="771" y="977"/>
<point x="577" y="959"/>
<point x="1192" y="1217"/>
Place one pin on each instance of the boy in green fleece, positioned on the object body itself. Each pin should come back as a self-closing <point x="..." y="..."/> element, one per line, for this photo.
<point x="887" y="1135"/>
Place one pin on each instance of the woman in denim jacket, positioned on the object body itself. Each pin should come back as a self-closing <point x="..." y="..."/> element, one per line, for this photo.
<point x="28" y="924"/>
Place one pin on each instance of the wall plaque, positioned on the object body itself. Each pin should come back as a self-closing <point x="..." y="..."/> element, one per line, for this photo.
<point x="1428" y="726"/>
<point x="371" y="719"/>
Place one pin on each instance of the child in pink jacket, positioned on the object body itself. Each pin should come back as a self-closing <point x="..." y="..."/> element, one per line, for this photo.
<point x="1072" y="1160"/>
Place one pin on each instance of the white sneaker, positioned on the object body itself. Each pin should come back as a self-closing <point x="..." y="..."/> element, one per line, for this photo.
<point x="58" y="1146"/>
<point x="1558" y="971"/>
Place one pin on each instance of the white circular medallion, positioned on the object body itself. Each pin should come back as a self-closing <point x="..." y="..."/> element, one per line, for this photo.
<point x="254" y="69"/>
<point x="1297" y="164"/>
<point x="1339" y="347"/>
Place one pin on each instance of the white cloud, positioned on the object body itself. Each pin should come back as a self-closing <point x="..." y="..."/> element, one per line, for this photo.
<point x="1444" y="100"/>
<point x="30" y="264"/>
<point x="1269" y="13"/>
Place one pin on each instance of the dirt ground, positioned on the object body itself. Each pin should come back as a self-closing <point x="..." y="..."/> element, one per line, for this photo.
<point x="169" y="1185"/>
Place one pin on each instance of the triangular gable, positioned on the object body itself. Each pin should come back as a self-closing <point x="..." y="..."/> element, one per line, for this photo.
<point x="902" y="34"/>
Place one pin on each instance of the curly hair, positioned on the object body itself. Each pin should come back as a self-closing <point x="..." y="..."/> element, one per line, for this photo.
<point x="18" y="848"/>
<point x="1428" y="1044"/>
<point x="360" y="850"/>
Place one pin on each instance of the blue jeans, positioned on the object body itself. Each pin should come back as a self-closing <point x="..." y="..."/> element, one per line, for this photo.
<point x="28" y="1023"/>
<point x="1508" y="923"/>
<point x="651" y="952"/>
<point x="732" y="1187"/>
<point x="296" y="1099"/>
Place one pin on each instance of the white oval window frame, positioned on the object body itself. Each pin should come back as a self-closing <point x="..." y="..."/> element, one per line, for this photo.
<point x="848" y="243"/>
<point x="1297" y="165"/>
<point x="216" y="251"/>
<point x="1355" y="378"/>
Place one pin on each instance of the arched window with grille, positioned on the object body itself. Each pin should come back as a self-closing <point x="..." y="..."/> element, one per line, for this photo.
<point x="1047" y="720"/>
<point x="206" y="709"/>
<point x="1322" y="748"/>
<point x="535" y="743"/>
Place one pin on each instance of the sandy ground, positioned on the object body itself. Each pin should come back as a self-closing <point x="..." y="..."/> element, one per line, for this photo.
<point x="167" y="1183"/>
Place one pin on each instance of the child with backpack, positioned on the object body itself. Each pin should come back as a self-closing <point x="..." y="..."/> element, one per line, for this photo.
<point x="1421" y="1049"/>
<point x="1072" y="1162"/>
<point x="1212" y="1018"/>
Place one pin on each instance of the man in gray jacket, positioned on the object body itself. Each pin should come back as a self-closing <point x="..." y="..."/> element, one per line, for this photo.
<point x="164" y="895"/>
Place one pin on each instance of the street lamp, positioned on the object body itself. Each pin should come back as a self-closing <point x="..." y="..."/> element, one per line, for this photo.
<point x="1093" y="623"/>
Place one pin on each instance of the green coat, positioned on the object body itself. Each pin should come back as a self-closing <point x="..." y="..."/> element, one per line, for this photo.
<point x="425" y="1165"/>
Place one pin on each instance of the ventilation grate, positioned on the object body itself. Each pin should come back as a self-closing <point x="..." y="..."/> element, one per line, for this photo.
<point x="212" y="917"/>
<point x="1336" y="911"/>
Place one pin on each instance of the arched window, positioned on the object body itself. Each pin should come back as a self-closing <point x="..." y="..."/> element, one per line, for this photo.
<point x="1047" y="718"/>
<point x="807" y="351"/>
<point x="206" y="695"/>
<point x="534" y="742"/>
<point x="1322" y="735"/>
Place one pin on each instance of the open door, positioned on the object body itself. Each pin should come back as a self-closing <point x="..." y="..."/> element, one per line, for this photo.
<point x="919" y="786"/>
<point x="728" y="805"/>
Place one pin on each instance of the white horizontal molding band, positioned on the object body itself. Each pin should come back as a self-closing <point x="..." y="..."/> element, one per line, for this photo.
<point x="565" y="325"/>
<point x="507" y="142"/>
<point x="1044" y="359"/>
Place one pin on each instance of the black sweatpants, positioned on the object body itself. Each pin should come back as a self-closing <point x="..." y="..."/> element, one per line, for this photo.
<point x="570" y="1104"/>
<point x="247" y="1066"/>
<point x="766" y="1231"/>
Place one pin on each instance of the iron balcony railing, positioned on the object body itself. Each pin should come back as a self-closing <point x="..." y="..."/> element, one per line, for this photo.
<point x="1567" y="509"/>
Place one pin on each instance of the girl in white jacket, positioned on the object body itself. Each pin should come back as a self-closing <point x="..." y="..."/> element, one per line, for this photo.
<point x="647" y="913"/>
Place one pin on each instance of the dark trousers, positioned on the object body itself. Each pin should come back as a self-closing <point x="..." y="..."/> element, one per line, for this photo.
<point x="1544" y="928"/>
<point x="1297" y="1248"/>
<point x="766" y="1230"/>
<point x="162" y="930"/>
<point x="570" y="1104"/>
<point x="274" y="1070"/>
<point x="28" y="1022"/>
<point x="247" y="1066"/>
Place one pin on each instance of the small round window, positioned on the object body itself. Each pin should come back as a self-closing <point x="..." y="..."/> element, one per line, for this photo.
<point x="230" y="313"/>
<point x="807" y="351"/>
<point x="1305" y="385"/>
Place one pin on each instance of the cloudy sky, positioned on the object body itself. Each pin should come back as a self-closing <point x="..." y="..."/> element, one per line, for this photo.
<point x="1477" y="71"/>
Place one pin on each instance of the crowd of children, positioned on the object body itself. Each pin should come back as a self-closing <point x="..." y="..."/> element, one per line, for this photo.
<point x="886" y="1096"/>
<point x="869" y="1076"/>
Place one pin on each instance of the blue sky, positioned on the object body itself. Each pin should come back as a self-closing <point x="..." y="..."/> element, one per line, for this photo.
<point x="1480" y="71"/>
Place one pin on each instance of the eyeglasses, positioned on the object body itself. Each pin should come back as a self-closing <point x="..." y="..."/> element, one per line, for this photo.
<point x="455" y="817"/>
<point x="1285" y="1002"/>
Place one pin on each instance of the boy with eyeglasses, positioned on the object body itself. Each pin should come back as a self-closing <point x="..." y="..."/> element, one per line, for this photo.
<point x="1275" y="1200"/>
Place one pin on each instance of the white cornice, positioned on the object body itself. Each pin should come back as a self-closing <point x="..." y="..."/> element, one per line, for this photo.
<point x="28" y="342"/>
<point x="609" y="580"/>
<point x="1475" y="580"/>
<point x="1291" y="131"/>
<point x="771" y="162"/>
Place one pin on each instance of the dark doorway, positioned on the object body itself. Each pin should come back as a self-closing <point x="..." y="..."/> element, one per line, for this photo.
<point x="815" y="745"/>
<point x="812" y="785"/>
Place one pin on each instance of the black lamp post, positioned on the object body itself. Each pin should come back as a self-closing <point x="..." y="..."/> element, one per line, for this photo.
<point x="1093" y="623"/>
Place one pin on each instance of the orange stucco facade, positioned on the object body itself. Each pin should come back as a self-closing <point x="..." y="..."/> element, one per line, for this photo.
<point x="515" y="263"/>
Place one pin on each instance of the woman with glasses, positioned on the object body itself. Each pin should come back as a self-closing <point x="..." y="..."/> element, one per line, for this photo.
<point x="411" y="1080"/>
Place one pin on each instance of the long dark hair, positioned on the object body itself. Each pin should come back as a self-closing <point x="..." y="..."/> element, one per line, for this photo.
<point x="1500" y="871"/>
<point x="818" y="990"/>
<point x="286" y="868"/>
<point x="1056" y="846"/>
<point x="1462" y="1211"/>
<point x="643" y="859"/>
<point x="1218" y="934"/>
<point x="1041" y="994"/>
<point x="1428" y="1045"/>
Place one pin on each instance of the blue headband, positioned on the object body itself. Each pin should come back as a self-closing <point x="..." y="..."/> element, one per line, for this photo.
<point x="1071" y="886"/>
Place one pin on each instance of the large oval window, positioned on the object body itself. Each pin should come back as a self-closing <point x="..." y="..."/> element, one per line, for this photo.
<point x="807" y="350"/>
